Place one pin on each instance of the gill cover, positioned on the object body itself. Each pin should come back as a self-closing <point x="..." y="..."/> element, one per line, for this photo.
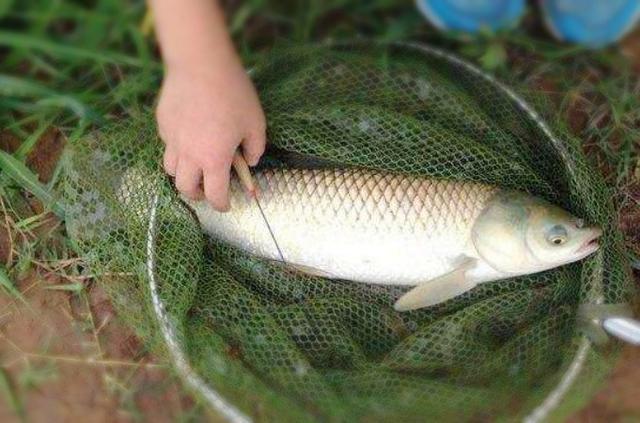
<point x="499" y="233"/>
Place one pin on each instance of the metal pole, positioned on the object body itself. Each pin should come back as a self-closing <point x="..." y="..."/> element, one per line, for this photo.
<point x="624" y="328"/>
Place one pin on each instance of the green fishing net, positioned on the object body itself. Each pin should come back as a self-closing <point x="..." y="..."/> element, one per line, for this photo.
<point x="258" y="341"/>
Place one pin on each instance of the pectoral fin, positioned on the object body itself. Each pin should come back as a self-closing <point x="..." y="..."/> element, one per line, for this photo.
<point x="440" y="289"/>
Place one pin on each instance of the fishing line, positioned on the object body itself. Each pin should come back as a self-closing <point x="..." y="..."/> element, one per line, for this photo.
<point x="273" y="236"/>
<point x="247" y="181"/>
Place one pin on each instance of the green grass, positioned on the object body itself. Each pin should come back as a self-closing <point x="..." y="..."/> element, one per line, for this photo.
<point x="78" y="66"/>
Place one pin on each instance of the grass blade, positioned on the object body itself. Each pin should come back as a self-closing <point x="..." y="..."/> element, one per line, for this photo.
<point x="13" y="86"/>
<point x="23" y="41"/>
<point x="10" y="394"/>
<point x="27" y="180"/>
<point x="31" y="140"/>
<point x="31" y="222"/>
<point x="72" y="287"/>
<point x="146" y="26"/>
<point x="8" y="285"/>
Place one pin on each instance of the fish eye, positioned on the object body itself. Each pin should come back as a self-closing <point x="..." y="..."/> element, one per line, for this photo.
<point x="557" y="235"/>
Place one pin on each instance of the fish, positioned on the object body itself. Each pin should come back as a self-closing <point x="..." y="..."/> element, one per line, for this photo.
<point x="443" y="237"/>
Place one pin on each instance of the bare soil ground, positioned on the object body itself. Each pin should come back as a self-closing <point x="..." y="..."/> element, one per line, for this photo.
<point x="65" y="358"/>
<point x="619" y="398"/>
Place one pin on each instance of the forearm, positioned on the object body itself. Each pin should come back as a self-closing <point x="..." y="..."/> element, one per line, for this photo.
<point x="192" y="34"/>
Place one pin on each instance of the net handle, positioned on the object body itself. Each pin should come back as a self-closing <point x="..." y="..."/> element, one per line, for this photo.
<point x="624" y="328"/>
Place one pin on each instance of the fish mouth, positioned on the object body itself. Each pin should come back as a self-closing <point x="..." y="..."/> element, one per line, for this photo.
<point x="591" y="245"/>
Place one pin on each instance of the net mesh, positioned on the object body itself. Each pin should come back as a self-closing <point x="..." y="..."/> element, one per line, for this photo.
<point x="282" y="346"/>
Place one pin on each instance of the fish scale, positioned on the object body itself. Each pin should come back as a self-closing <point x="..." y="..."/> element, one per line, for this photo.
<point x="354" y="224"/>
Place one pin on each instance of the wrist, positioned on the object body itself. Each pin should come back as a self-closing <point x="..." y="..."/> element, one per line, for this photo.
<point x="202" y="54"/>
<point x="203" y="73"/>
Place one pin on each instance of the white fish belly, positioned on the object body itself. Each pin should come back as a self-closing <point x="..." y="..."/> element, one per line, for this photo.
<point x="353" y="224"/>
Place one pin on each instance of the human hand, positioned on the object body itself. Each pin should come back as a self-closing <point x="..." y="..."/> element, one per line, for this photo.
<point x="203" y="116"/>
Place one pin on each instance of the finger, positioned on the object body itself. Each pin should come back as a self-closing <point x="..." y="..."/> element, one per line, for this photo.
<point x="170" y="162"/>
<point x="253" y="148"/>
<point x="241" y="168"/>
<point x="216" y="186"/>
<point x="189" y="179"/>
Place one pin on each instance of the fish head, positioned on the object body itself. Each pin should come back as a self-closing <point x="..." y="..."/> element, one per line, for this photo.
<point x="520" y="234"/>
